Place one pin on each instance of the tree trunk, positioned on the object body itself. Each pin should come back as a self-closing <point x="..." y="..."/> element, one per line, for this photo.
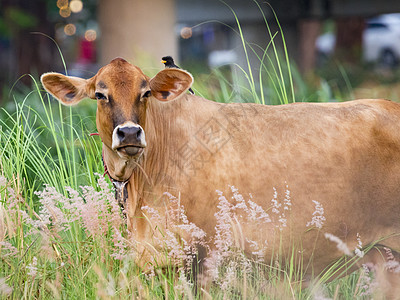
<point x="349" y="32"/>
<point x="139" y="31"/>
<point x="309" y="29"/>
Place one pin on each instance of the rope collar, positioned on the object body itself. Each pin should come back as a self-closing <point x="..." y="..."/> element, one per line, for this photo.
<point x="121" y="192"/>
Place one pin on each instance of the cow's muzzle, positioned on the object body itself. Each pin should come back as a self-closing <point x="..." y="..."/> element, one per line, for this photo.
<point x="128" y="140"/>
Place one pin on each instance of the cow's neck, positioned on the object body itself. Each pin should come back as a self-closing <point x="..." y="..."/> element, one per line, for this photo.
<point x="159" y="128"/>
<point x="162" y="132"/>
<point x="118" y="168"/>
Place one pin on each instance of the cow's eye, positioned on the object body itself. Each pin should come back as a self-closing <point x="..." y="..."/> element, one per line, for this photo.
<point x="100" y="96"/>
<point x="147" y="94"/>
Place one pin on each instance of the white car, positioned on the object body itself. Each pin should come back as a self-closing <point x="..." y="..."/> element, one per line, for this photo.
<point x="381" y="41"/>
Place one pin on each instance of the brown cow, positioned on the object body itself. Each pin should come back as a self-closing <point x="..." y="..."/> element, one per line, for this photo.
<point x="340" y="161"/>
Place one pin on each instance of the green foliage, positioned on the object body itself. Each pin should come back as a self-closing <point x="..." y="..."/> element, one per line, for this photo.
<point x="13" y="18"/>
<point x="20" y="18"/>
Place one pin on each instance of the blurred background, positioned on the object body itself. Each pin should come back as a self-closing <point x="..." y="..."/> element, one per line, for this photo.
<point x="346" y="46"/>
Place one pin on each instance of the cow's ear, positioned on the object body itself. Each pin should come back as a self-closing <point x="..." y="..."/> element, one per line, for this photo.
<point x="169" y="84"/>
<point x="68" y="89"/>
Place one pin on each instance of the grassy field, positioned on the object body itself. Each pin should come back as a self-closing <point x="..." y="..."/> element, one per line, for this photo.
<point x="62" y="234"/>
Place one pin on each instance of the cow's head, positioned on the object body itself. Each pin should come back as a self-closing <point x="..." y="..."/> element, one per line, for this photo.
<point x="122" y="92"/>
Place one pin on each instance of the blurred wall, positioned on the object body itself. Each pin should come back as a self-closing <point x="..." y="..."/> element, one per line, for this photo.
<point x="139" y="31"/>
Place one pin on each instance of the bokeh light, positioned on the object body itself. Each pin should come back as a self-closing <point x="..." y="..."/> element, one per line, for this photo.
<point x="76" y="6"/>
<point x="90" y="35"/>
<point x="65" y="12"/>
<point x="70" y="29"/>
<point x="186" y="32"/>
<point x="62" y="3"/>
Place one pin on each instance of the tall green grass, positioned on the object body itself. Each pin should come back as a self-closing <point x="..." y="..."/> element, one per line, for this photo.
<point x="47" y="143"/>
<point x="271" y="84"/>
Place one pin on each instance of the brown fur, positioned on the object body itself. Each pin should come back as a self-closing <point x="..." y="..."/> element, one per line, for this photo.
<point x="344" y="155"/>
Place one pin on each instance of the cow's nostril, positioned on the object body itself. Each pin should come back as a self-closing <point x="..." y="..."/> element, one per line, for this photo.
<point x="120" y="133"/>
<point x="139" y="133"/>
<point x="129" y="134"/>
